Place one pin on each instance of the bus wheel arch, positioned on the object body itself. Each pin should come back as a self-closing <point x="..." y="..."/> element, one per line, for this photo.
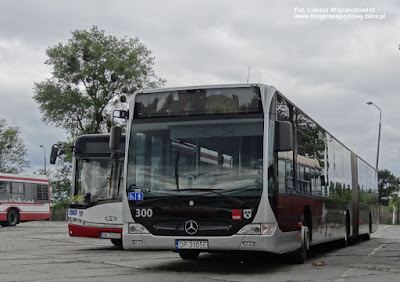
<point x="299" y="256"/>
<point x="12" y="217"/>
<point x="307" y="220"/>
<point x="368" y="235"/>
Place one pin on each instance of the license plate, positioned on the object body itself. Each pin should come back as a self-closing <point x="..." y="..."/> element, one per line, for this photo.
<point x="191" y="244"/>
<point x="110" y="235"/>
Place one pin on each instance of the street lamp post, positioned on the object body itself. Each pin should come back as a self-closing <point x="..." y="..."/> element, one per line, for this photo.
<point x="44" y="157"/>
<point x="379" y="133"/>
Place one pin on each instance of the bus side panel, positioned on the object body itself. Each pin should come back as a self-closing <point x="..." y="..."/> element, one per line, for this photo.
<point x="26" y="211"/>
<point x="367" y="198"/>
<point x="355" y="204"/>
<point x="39" y="211"/>
<point x="290" y="208"/>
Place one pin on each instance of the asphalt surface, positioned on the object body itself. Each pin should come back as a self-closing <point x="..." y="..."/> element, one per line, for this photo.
<point x="43" y="251"/>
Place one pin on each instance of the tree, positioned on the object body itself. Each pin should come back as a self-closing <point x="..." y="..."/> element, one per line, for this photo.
<point x="60" y="182"/>
<point x="12" y="149"/>
<point x="388" y="185"/>
<point x="91" y="74"/>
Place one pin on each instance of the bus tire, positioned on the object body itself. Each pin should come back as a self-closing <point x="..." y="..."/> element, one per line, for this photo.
<point x="347" y="240"/>
<point x="12" y="217"/>
<point x="189" y="255"/>
<point x="117" y="242"/>
<point x="367" y="236"/>
<point x="300" y="255"/>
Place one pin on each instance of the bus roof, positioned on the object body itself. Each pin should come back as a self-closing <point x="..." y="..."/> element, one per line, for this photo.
<point x="24" y="177"/>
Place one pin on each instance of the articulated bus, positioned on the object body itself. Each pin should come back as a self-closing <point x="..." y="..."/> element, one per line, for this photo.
<point x="238" y="168"/>
<point x="23" y="197"/>
<point x="95" y="209"/>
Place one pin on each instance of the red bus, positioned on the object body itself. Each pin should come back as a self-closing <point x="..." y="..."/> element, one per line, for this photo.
<point x="23" y="197"/>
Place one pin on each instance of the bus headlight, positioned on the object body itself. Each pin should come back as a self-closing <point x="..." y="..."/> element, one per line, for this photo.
<point x="136" y="228"/>
<point x="250" y="229"/>
<point x="257" y="229"/>
<point x="268" y="228"/>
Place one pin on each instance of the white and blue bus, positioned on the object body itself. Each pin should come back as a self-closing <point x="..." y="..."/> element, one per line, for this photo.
<point x="238" y="168"/>
<point x="95" y="209"/>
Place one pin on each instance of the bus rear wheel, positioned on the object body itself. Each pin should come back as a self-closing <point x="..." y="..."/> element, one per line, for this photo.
<point x="367" y="236"/>
<point x="189" y="255"/>
<point x="12" y="217"/>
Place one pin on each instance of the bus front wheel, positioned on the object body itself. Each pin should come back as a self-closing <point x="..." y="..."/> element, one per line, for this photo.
<point x="12" y="217"/>
<point x="117" y="242"/>
<point x="300" y="255"/>
<point x="189" y="255"/>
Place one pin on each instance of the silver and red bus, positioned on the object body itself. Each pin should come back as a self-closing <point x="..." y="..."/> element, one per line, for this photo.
<point x="238" y="168"/>
<point x="23" y="197"/>
<point x="95" y="209"/>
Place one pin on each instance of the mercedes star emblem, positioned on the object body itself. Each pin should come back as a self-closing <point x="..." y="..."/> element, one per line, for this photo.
<point x="191" y="227"/>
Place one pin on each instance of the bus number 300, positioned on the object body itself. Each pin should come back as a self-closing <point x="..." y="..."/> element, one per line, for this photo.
<point x="144" y="212"/>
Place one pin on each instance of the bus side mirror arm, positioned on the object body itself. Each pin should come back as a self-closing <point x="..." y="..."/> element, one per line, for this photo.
<point x="284" y="136"/>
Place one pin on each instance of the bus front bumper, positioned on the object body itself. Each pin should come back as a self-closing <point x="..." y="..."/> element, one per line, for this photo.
<point x="227" y="243"/>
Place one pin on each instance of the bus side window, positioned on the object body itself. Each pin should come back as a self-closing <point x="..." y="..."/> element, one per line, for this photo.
<point x="281" y="177"/>
<point x="307" y="180"/>
<point x="312" y="179"/>
<point x="289" y="174"/>
<point x="17" y="188"/>
<point x="3" y="185"/>
<point x="317" y="190"/>
<point x="300" y="179"/>
<point x="42" y="192"/>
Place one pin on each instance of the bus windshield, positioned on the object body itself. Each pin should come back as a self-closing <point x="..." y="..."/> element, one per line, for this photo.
<point x="211" y="157"/>
<point x="93" y="180"/>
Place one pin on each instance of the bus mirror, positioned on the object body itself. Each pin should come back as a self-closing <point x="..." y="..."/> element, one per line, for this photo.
<point x="53" y="154"/>
<point x="115" y="137"/>
<point x="323" y="183"/>
<point x="120" y="114"/>
<point x="284" y="136"/>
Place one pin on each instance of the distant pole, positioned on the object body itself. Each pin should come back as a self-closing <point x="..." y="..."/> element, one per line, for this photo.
<point x="379" y="133"/>
<point x="248" y="75"/>
<point x="44" y="157"/>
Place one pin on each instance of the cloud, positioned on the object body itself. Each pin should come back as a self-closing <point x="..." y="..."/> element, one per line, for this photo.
<point x="329" y="68"/>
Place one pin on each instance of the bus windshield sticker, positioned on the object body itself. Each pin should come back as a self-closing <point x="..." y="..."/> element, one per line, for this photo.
<point x="247" y="214"/>
<point x="237" y="214"/>
<point x="132" y="196"/>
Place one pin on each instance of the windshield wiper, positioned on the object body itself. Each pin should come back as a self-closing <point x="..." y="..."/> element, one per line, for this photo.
<point x="100" y="191"/>
<point x="215" y="191"/>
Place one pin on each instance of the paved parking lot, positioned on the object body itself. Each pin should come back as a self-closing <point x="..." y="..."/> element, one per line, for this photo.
<point x="43" y="251"/>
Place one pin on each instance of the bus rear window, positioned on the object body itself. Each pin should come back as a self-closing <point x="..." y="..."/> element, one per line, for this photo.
<point x="198" y="102"/>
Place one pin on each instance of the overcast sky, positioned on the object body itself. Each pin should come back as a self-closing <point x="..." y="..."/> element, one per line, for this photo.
<point x="327" y="65"/>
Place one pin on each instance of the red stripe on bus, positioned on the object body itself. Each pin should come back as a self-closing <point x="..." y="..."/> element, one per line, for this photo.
<point x="27" y="216"/>
<point x="25" y="179"/>
<point x="33" y="216"/>
<point x="22" y="204"/>
<point x="93" y="232"/>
